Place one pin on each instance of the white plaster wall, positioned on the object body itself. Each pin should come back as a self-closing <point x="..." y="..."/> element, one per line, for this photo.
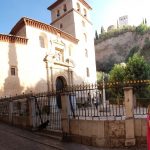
<point x="82" y="45"/>
<point x="72" y="24"/>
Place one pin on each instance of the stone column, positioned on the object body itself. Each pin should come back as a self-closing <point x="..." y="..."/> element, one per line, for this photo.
<point x="129" y="122"/>
<point x="10" y="112"/>
<point x="65" y="116"/>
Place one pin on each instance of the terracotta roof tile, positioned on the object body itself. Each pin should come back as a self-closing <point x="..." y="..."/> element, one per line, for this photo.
<point x="37" y="24"/>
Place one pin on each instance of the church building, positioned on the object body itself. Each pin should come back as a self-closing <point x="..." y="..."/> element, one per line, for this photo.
<point x="40" y="57"/>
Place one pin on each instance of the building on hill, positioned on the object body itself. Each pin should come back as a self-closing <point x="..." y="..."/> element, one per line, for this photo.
<point x="39" y="57"/>
<point x="110" y="28"/>
<point x="123" y="21"/>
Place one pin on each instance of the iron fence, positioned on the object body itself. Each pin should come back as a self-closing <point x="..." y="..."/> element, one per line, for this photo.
<point x="46" y="109"/>
<point x="86" y="102"/>
<point x="4" y="108"/>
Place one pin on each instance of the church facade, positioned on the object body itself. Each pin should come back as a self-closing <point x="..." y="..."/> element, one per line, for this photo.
<point x="39" y="57"/>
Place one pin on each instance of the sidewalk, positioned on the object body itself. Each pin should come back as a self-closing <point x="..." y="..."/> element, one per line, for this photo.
<point x="34" y="141"/>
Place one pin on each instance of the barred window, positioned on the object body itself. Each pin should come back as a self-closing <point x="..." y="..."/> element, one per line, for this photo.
<point x="85" y="13"/>
<point x="41" y="39"/>
<point x="85" y="37"/>
<point x="13" y="71"/>
<point x="58" y="13"/>
<point x="65" y="8"/>
<point x="86" y="53"/>
<point x="61" y="26"/>
<point x="78" y="7"/>
<point x="83" y="23"/>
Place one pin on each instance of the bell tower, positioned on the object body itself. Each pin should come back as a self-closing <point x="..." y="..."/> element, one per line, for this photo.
<point x="73" y="17"/>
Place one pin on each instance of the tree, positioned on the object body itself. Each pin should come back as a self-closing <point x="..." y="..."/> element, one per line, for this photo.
<point x="145" y="21"/>
<point x="99" y="76"/>
<point x="117" y="73"/>
<point x="96" y="35"/>
<point x="117" y="25"/>
<point x="137" y="68"/>
<point x="141" y="29"/>
<point x="102" y="30"/>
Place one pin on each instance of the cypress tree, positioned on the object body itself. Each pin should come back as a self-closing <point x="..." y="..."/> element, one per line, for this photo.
<point x="96" y="35"/>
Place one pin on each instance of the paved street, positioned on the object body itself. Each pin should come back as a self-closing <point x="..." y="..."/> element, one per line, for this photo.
<point x="12" y="138"/>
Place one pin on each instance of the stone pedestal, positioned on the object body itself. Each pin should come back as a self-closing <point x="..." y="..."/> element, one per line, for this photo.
<point x="65" y="116"/>
<point x="129" y="122"/>
<point x="10" y="111"/>
<point x="32" y="115"/>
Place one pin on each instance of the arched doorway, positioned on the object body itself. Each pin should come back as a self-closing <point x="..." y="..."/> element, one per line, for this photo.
<point x="60" y="84"/>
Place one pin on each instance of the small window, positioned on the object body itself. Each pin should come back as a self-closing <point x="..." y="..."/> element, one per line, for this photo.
<point x="85" y="13"/>
<point x="85" y="37"/>
<point x="83" y="23"/>
<point x="69" y="51"/>
<point x="87" y="72"/>
<point x="65" y="8"/>
<point x="13" y="71"/>
<point x="86" y="53"/>
<point x="78" y="7"/>
<point x="61" y="26"/>
<point x="58" y="13"/>
<point x="41" y="39"/>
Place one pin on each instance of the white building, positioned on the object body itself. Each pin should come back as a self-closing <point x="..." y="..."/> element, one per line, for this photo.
<point x="38" y="57"/>
<point x="123" y="21"/>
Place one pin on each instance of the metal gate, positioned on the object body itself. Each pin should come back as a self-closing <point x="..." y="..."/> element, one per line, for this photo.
<point x="47" y="113"/>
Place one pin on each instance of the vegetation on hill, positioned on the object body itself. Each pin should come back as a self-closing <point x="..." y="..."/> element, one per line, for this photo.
<point x="141" y="29"/>
<point x="136" y="68"/>
<point x="121" y="53"/>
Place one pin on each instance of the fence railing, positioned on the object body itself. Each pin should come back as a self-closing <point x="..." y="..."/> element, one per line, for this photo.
<point x="85" y="102"/>
<point x="46" y="108"/>
<point x="42" y="106"/>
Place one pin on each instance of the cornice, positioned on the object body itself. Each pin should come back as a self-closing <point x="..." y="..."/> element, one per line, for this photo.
<point x="60" y="1"/>
<point x="13" y="39"/>
<point x="85" y="4"/>
<point x="37" y="24"/>
<point x="55" y="4"/>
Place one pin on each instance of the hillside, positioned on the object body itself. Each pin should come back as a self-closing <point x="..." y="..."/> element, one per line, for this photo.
<point x="119" y="48"/>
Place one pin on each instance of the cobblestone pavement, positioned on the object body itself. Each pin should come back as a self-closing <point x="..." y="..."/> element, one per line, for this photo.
<point x="12" y="138"/>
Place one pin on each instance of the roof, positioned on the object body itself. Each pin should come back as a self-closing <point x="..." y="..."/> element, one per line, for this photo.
<point x="60" y="1"/>
<point x="13" y="39"/>
<point x="37" y="24"/>
<point x="85" y="4"/>
<point x="55" y="4"/>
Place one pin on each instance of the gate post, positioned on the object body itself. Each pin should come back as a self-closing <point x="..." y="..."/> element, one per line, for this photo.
<point x="31" y="105"/>
<point x="65" y="115"/>
<point x="129" y="111"/>
<point x="10" y="112"/>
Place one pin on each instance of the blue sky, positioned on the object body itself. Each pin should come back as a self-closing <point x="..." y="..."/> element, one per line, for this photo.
<point x="104" y="13"/>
